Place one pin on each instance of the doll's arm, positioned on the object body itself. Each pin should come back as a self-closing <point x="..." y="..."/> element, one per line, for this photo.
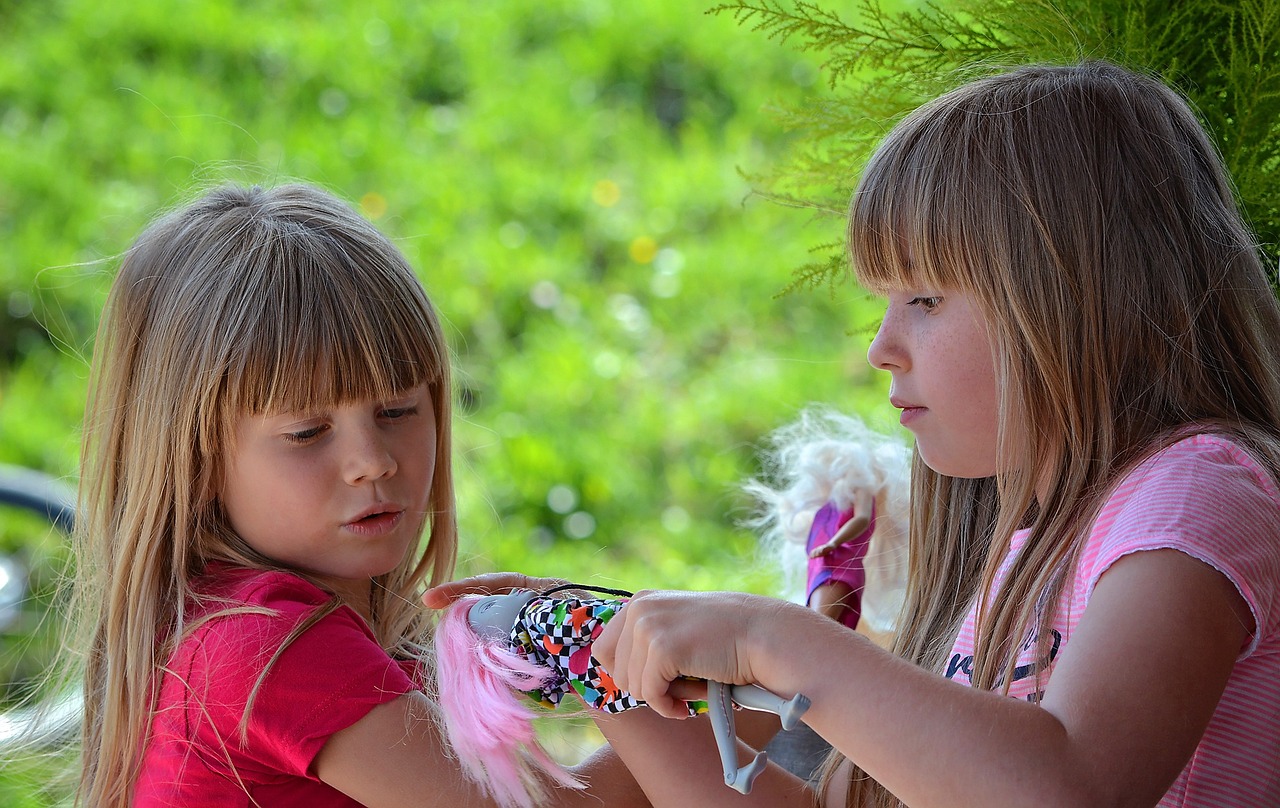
<point x="721" y="700"/>
<point x="863" y="501"/>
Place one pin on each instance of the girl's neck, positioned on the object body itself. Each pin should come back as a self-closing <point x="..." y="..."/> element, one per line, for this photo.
<point x="357" y="594"/>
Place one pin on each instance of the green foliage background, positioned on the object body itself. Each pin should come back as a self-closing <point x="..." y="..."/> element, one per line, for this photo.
<point x="883" y="58"/>
<point x="565" y="176"/>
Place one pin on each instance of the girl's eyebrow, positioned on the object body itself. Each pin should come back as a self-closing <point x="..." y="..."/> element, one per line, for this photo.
<point x="319" y="411"/>
<point x="291" y="414"/>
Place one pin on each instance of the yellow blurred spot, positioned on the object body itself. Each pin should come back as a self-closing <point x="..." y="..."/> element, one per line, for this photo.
<point x="606" y="193"/>
<point x="643" y="249"/>
<point x="373" y="205"/>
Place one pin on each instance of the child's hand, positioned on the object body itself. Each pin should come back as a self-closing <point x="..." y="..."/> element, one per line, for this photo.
<point x="660" y="636"/>
<point x="490" y="583"/>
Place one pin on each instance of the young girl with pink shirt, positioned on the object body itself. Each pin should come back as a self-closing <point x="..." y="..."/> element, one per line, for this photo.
<point x="1083" y="339"/>
<point x="266" y="490"/>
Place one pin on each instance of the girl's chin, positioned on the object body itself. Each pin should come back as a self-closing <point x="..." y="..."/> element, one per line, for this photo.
<point x="951" y="466"/>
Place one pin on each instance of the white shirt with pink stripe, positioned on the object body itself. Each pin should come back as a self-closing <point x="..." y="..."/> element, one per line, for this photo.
<point x="1206" y="497"/>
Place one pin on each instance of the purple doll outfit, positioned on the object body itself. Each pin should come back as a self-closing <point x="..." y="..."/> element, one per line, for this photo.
<point x="842" y="564"/>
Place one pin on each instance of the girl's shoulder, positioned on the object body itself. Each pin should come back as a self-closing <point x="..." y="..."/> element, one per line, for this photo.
<point x="1202" y="465"/>
<point x="271" y="645"/>
<point x="1206" y="496"/>
<point x="227" y="584"/>
<point x="1200" y="483"/>
<point x="243" y="621"/>
<point x="236" y="613"/>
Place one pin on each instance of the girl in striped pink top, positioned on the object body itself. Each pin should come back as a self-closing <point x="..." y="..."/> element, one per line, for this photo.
<point x="1083" y="340"/>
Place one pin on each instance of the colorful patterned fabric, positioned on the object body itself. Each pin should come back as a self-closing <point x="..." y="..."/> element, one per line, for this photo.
<point x="557" y="633"/>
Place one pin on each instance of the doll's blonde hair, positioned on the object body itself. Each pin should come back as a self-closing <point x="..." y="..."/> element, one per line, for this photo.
<point x="1090" y="218"/>
<point x="829" y="456"/>
<point x="247" y="300"/>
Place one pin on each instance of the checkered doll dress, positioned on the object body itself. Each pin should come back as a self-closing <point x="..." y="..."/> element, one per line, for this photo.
<point x="557" y="634"/>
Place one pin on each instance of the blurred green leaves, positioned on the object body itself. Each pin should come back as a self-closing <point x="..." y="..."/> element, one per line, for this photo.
<point x="567" y="177"/>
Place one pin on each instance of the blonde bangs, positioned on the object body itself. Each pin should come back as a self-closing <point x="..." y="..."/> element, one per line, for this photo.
<point x="922" y="216"/>
<point x="319" y="330"/>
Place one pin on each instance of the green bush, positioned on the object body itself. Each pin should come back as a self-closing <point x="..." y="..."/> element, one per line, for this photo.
<point x="886" y="58"/>
<point x="567" y="179"/>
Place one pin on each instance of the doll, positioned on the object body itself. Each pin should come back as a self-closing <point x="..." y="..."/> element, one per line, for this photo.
<point x="490" y="649"/>
<point x="840" y="490"/>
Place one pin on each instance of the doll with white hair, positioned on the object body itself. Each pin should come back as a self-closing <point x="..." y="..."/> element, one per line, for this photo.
<point x="840" y="490"/>
<point x="831" y="511"/>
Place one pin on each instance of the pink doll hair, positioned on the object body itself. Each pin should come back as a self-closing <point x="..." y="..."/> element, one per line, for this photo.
<point x="480" y="673"/>
<point x="488" y="721"/>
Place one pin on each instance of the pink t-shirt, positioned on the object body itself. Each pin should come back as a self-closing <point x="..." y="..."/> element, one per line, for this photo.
<point x="325" y="681"/>
<point x="1206" y="497"/>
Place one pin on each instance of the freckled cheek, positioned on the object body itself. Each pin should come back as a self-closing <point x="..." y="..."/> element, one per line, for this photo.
<point x="424" y="476"/>
<point x="981" y="419"/>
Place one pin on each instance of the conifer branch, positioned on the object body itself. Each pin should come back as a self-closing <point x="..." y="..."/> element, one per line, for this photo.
<point x="1223" y="54"/>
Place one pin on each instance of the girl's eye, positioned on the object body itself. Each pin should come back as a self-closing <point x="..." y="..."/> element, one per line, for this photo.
<point x="926" y="303"/>
<point x="305" y="435"/>
<point x="398" y="413"/>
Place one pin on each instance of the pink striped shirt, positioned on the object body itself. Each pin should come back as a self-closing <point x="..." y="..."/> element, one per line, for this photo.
<point x="1206" y="497"/>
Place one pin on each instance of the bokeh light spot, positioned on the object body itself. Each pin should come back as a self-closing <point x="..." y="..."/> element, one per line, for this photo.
<point x="562" y="499"/>
<point x="373" y="205"/>
<point x="606" y="193"/>
<point x="579" y="525"/>
<point x="643" y="249"/>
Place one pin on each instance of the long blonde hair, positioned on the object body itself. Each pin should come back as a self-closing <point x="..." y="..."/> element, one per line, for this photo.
<point x="245" y="301"/>
<point x="1089" y="215"/>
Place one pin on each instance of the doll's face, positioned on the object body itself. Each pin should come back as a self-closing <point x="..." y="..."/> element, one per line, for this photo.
<point x="493" y="617"/>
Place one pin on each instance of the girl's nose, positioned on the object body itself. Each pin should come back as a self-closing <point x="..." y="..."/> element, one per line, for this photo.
<point x="885" y="351"/>
<point x="370" y="460"/>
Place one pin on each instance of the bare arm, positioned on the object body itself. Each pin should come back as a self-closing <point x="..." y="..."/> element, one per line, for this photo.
<point x="394" y="757"/>
<point x="1124" y="709"/>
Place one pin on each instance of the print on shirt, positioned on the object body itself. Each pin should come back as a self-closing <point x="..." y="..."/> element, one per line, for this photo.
<point x="963" y="664"/>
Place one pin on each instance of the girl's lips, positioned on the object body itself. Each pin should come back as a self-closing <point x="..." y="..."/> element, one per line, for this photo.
<point x="376" y="521"/>
<point x="910" y="414"/>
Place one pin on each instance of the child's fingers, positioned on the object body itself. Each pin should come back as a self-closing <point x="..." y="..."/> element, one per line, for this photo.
<point x="607" y="648"/>
<point x="489" y="583"/>
<point x="636" y="662"/>
<point x="656" y="687"/>
<point x="689" y="689"/>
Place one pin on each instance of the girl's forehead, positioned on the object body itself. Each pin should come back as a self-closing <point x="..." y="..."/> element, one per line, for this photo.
<point x="282" y="391"/>
<point x="317" y="401"/>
